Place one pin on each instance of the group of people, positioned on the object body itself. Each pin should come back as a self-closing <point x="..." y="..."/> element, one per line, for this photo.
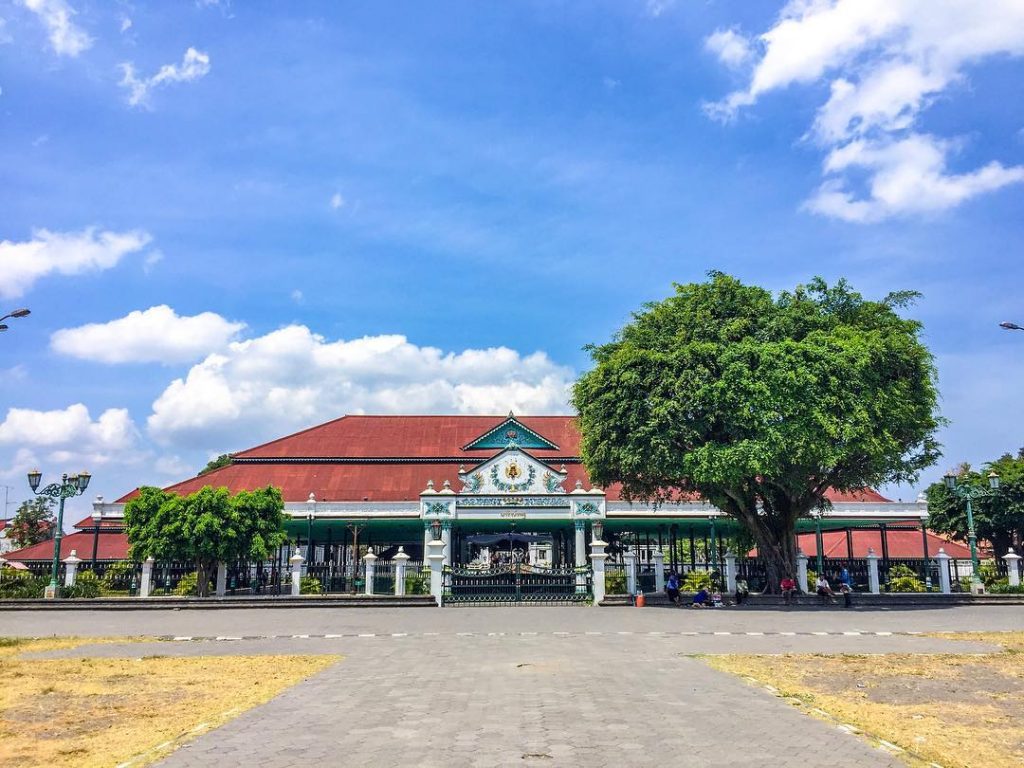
<point x="704" y="598"/>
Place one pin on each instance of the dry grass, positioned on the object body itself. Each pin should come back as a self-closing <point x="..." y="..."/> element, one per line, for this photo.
<point x="105" y="712"/>
<point x="951" y="709"/>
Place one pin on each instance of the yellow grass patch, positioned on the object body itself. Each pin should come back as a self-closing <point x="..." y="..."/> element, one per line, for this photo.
<point x="951" y="709"/>
<point x="105" y="712"/>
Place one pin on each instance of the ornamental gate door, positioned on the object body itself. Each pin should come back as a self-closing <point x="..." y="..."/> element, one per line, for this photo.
<point x="516" y="584"/>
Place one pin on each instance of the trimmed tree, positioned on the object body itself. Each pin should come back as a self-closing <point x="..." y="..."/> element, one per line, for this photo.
<point x="759" y="403"/>
<point x="221" y="461"/>
<point x="33" y="522"/>
<point x="206" y="527"/>
<point x="999" y="518"/>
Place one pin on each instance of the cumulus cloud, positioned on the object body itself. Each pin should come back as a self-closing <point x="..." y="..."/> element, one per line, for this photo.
<point x="156" y="335"/>
<point x="57" y="16"/>
<point x="886" y="62"/>
<point x="290" y="378"/>
<point x="731" y="48"/>
<point x="337" y="201"/>
<point x="69" y="435"/>
<point x="194" y="65"/>
<point x="66" y="253"/>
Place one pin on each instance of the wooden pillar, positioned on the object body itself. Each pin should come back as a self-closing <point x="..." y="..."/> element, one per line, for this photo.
<point x="885" y="547"/>
<point x="924" y="543"/>
<point x="849" y="543"/>
<point x="693" y="550"/>
<point x="674" y="558"/>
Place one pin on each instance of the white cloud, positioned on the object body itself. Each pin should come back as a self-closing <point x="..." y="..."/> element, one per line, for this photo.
<point x="297" y="296"/>
<point x="657" y="7"/>
<point x="66" y="37"/>
<point x="337" y="201"/>
<point x="126" y="24"/>
<point x="5" y="36"/>
<point x="886" y="62"/>
<point x="69" y="435"/>
<point x="290" y="378"/>
<point x="194" y="65"/>
<point x="731" y="48"/>
<point x="66" y="253"/>
<point x="156" y="335"/>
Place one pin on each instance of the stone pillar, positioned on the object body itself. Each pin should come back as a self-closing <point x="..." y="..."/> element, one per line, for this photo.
<point x="630" y="558"/>
<point x="296" y="562"/>
<point x="428" y="536"/>
<point x="801" y="570"/>
<point x="1012" y="567"/>
<point x="944" y="580"/>
<point x="435" y="556"/>
<point x="580" y="554"/>
<point x="659" y="571"/>
<point x="146" y="584"/>
<point x="730" y="571"/>
<point x="400" y="562"/>
<point x="597" y="558"/>
<point x="446" y="538"/>
<point x="71" y="562"/>
<point x="873" y="585"/>
<point x="371" y="566"/>
<point x="222" y="579"/>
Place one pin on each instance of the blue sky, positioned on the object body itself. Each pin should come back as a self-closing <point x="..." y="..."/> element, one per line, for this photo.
<point x="232" y="220"/>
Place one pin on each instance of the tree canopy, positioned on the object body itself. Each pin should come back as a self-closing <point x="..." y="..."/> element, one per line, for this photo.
<point x="998" y="519"/>
<point x="205" y="527"/>
<point x="221" y="461"/>
<point x="33" y="522"/>
<point x="760" y="403"/>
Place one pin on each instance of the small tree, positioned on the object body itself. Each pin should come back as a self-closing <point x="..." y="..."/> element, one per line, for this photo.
<point x="221" y="461"/>
<point x="33" y="522"/>
<point x="760" y="404"/>
<point x="998" y="518"/>
<point x="205" y="527"/>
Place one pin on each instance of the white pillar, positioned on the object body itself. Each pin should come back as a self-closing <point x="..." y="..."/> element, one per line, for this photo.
<point x="1012" y="567"/>
<point x="630" y="557"/>
<point x="401" y="559"/>
<point x="659" y="571"/>
<point x="597" y="558"/>
<point x="71" y="562"/>
<point x="296" y="562"/>
<point x="146" y="584"/>
<point x="730" y="571"/>
<point x="801" y="570"/>
<point x="580" y="554"/>
<point x="428" y="536"/>
<point x="873" y="586"/>
<point x="446" y="538"/>
<point x="435" y="554"/>
<point x="222" y="579"/>
<point x="371" y="566"/>
<point x="944" y="580"/>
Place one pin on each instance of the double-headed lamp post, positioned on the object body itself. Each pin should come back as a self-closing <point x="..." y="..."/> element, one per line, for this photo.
<point x="969" y="493"/>
<point x="16" y="313"/>
<point x="68" y="487"/>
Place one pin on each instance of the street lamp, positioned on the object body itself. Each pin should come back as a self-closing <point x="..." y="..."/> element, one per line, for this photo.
<point x="969" y="493"/>
<point x="16" y="313"/>
<point x="1011" y="326"/>
<point x="68" y="487"/>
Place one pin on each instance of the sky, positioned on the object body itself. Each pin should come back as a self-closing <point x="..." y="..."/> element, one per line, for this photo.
<point x="234" y="220"/>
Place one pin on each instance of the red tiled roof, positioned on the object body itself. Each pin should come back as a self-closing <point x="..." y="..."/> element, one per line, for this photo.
<point x="392" y="437"/>
<point x="902" y="544"/>
<point x="111" y="546"/>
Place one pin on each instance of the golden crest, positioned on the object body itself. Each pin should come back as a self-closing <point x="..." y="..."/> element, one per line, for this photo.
<point x="512" y="471"/>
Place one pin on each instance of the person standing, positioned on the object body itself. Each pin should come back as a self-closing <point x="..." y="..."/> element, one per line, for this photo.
<point x="672" y="587"/>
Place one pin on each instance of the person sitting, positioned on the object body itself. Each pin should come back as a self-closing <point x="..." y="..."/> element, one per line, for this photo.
<point x="672" y="587"/>
<point x="847" y="595"/>
<point x="789" y="591"/>
<point x="700" y="600"/>
<point x="824" y="590"/>
<point x="742" y="590"/>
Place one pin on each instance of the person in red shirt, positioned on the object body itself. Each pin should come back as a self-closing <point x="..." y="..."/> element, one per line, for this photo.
<point x="788" y="587"/>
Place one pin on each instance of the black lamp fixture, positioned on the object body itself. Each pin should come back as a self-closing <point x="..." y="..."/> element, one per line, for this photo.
<point x="16" y="313"/>
<point x="1011" y="326"/>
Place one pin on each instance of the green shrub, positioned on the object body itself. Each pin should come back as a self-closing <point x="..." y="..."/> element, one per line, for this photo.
<point x="188" y="585"/>
<point x="988" y="574"/>
<point x="696" y="581"/>
<point x="615" y="582"/>
<point x="417" y="583"/>
<point x="902" y="578"/>
<point x="812" y="582"/>
<point x="310" y="585"/>
<point x="87" y="585"/>
<point x="1002" y="587"/>
<point x="15" y="585"/>
<point x="118" y="576"/>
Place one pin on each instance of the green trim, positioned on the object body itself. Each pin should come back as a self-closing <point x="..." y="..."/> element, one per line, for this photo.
<point x="511" y="432"/>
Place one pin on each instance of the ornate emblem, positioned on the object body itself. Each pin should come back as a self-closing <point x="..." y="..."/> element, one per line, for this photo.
<point x="473" y="483"/>
<point x="513" y="472"/>
<point x="552" y="482"/>
<point x="438" y="508"/>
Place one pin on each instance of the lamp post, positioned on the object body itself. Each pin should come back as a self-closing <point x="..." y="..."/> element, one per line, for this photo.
<point x="1011" y="326"/>
<point x="16" y="313"/>
<point x="969" y="493"/>
<point x="818" y="543"/>
<point x="68" y="487"/>
<point x="97" y="518"/>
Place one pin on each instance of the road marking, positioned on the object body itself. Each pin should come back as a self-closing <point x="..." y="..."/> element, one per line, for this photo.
<point x="227" y="637"/>
<point x="367" y="634"/>
<point x="399" y="634"/>
<point x="755" y="634"/>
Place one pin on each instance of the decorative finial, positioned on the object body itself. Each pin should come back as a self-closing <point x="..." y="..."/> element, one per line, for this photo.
<point x="579" y="485"/>
<point x="447" y="485"/>
<point x="462" y="469"/>
<point x="312" y="497"/>
<point x="430" y="484"/>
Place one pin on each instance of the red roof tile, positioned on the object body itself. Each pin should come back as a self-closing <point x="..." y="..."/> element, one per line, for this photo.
<point x="111" y="546"/>
<point x="902" y="544"/>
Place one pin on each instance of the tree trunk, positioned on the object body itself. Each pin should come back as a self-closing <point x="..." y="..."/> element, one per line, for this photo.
<point x="778" y="552"/>
<point x="203" y="571"/>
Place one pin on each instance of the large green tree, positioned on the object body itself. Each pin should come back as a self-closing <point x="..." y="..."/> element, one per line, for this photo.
<point x="33" y="522"/>
<point x="759" y="403"/>
<point x="205" y="527"/>
<point x="998" y="519"/>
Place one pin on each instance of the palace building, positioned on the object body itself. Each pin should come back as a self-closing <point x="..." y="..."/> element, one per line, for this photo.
<point x="492" y="488"/>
